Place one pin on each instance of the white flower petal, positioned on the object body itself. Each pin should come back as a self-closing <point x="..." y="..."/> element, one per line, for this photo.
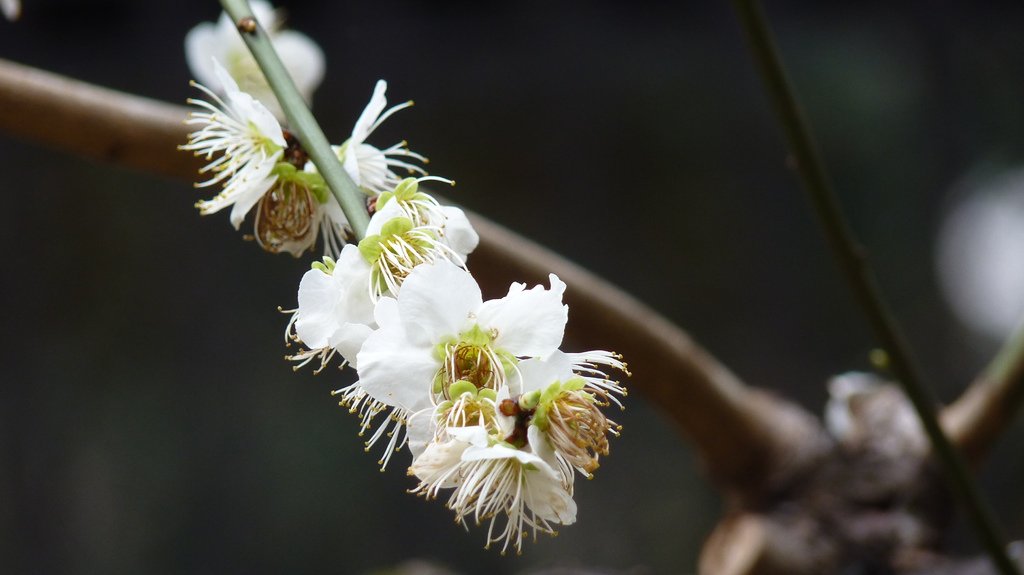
<point x="475" y="435"/>
<point x="349" y="340"/>
<point x="438" y="464"/>
<point x="260" y="118"/>
<point x="332" y="209"/>
<point x="545" y="493"/>
<point x="265" y="14"/>
<point x="227" y="84"/>
<point x="316" y="323"/>
<point x="437" y="301"/>
<point x="368" y="167"/>
<point x="331" y="304"/>
<point x="250" y="193"/>
<point x="459" y="232"/>
<point x="395" y="371"/>
<point x="352" y="274"/>
<point x="370" y="114"/>
<point x="303" y="59"/>
<point x="538" y="374"/>
<point x="201" y="48"/>
<point x="386" y="313"/>
<point x="530" y="323"/>
<point x="420" y="431"/>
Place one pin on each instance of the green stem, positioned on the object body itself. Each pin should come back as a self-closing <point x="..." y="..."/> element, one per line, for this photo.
<point x="300" y="119"/>
<point x="852" y="260"/>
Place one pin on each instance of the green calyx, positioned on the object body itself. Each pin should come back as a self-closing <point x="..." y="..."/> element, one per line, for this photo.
<point x="326" y="266"/>
<point x="340" y="152"/>
<point x="493" y="440"/>
<point x="371" y="247"/>
<point x="472" y="337"/>
<point x="542" y="400"/>
<point x="461" y="387"/>
<point x="475" y="336"/>
<point x="529" y="401"/>
<point x="406" y="191"/>
<point x="311" y="181"/>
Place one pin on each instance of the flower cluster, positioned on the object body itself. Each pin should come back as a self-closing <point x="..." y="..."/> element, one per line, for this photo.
<point x="479" y="391"/>
<point x="257" y="163"/>
<point x="497" y="418"/>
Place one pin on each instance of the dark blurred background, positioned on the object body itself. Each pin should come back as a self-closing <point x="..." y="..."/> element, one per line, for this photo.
<point x="148" y="423"/>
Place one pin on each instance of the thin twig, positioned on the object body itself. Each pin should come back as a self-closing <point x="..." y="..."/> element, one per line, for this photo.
<point x="982" y="413"/>
<point x="742" y="434"/>
<point x="851" y="259"/>
<point x="96" y="122"/>
<point x="300" y="119"/>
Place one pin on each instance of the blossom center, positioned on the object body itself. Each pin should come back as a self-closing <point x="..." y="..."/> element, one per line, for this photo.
<point x="578" y="429"/>
<point x="286" y="218"/>
<point x="574" y="424"/>
<point x="468" y="406"/>
<point x="400" y="246"/>
<point x="472" y="358"/>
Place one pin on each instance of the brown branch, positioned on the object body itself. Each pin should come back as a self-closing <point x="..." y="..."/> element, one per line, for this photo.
<point x="976" y="420"/>
<point x="754" y="544"/>
<point x="742" y="433"/>
<point x="92" y="121"/>
<point x="746" y="438"/>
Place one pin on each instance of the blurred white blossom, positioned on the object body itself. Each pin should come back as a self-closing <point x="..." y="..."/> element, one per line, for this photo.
<point x="301" y="56"/>
<point x="980" y="255"/>
<point x="11" y="9"/>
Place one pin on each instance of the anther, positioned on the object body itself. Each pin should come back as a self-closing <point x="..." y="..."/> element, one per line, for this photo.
<point x="509" y="407"/>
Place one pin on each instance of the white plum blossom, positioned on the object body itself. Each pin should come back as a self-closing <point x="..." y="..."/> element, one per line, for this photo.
<point x="439" y="331"/>
<point x="565" y="407"/>
<point x="335" y="313"/>
<point x="395" y="244"/>
<point x="260" y="165"/>
<point x="303" y="59"/>
<point x="423" y="210"/>
<point x="243" y="142"/>
<point x="592" y="367"/>
<point x="496" y="482"/>
<point x="11" y="9"/>
<point x="979" y="254"/>
<point x="369" y="167"/>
